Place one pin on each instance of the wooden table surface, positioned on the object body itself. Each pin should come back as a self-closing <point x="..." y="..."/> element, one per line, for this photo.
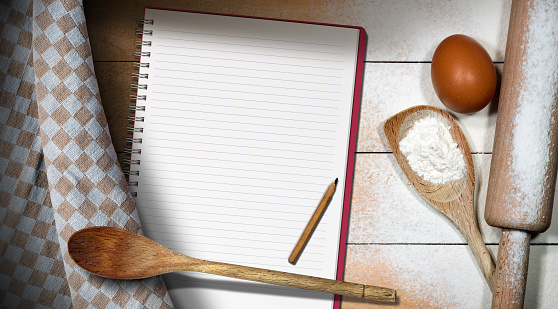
<point x="395" y="239"/>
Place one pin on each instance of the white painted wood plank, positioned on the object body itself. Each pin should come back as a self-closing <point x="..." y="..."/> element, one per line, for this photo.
<point x="442" y="276"/>
<point x="405" y="30"/>
<point x="392" y="87"/>
<point x="387" y="209"/>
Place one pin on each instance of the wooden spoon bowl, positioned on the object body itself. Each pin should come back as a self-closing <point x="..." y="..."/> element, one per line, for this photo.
<point x="453" y="198"/>
<point x="397" y="128"/>
<point x="119" y="254"/>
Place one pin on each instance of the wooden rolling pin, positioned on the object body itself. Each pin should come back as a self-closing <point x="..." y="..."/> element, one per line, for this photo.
<point x="523" y="168"/>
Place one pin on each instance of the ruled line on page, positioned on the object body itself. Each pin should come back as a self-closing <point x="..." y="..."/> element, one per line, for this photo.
<point x="229" y="238"/>
<point x="226" y="191"/>
<point x="232" y="177"/>
<point x="237" y="192"/>
<point x="196" y="215"/>
<point x="298" y="211"/>
<point x="237" y="69"/>
<point x="228" y="199"/>
<point x="219" y="251"/>
<point x="242" y="53"/>
<point x="238" y="122"/>
<point x="251" y="185"/>
<point x="245" y="84"/>
<point x="307" y="160"/>
<point x="248" y="45"/>
<point x="232" y="246"/>
<point x="228" y="207"/>
<point x="316" y="176"/>
<point x="259" y="148"/>
<point x="194" y="242"/>
<point x="265" y="227"/>
<point x="281" y="103"/>
<point x="238" y="161"/>
<point x="290" y="207"/>
<point x="248" y="139"/>
<point x="231" y="222"/>
<point x="252" y="38"/>
<point x="190" y="211"/>
<point x="229" y="230"/>
<point x="197" y="219"/>
<point x="246" y="115"/>
<point x="249" y="116"/>
<point x="253" y="61"/>
<point x="286" y="218"/>
<point x="246" y="76"/>
<point x="190" y="95"/>
<point x="186" y="127"/>
<point x="189" y="103"/>
<point x="244" y="92"/>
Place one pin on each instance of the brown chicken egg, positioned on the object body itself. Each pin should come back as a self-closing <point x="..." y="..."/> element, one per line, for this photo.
<point x="463" y="74"/>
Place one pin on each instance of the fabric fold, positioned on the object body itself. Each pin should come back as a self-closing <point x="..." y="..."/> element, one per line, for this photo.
<point x="59" y="170"/>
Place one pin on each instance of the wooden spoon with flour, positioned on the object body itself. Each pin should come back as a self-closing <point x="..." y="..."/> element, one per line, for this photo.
<point x="453" y="197"/>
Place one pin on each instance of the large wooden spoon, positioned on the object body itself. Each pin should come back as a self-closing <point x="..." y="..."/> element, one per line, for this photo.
<point x="119" y="254"/>
<point x="454" y="198"/>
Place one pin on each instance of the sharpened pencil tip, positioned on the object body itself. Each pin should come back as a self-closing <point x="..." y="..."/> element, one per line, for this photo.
<point x="336" y="180"/>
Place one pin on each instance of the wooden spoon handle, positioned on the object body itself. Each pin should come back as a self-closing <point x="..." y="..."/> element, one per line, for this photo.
<point x="511" y="276"/>
<point x="483" y="257"/>
<point x="291" y="280"/>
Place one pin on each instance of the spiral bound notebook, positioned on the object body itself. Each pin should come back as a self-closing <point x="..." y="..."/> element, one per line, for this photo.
<point x="241" y="124"/>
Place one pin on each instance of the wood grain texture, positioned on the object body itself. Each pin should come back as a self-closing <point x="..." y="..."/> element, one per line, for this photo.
<point x="407" y="30"/>
<point x="503" y="209"/>
<point x="511" y="274"/>
<point x="119" y="254"/>
<point x="507" y="205"/>
<point x="453" y="198"/>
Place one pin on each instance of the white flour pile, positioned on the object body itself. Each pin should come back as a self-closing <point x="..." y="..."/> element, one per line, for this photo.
<point x="432" y="152"/>
<point x="537" y="94"/>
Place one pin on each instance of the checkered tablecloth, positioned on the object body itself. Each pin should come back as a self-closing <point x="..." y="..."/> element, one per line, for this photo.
<point x="58" y="168"/>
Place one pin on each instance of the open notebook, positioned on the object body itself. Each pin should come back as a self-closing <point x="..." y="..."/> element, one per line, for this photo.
<point x="246" y="123"/>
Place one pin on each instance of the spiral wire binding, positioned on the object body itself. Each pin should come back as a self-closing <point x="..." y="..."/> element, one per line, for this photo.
<point x="144" y="32"/>
<point x="136" y="119"/>
<point x="136" y="98"/>
<point x="140" y="65"/>
<point x="130" y="161"/>
<point x="139" y="75"/>
<point x="138" y="86"/>
<point x="136" y="108"/>
<point x="140" y="54"/>
<point x="145" y="21"/>
<point x="142" y="43"/>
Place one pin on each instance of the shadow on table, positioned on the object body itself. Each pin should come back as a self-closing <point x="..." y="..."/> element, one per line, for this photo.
<point x="188" y="285"/>
<point x="357" y="302"/>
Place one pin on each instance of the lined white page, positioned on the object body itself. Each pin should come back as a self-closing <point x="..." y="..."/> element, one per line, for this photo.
<point x="246" y="123"/>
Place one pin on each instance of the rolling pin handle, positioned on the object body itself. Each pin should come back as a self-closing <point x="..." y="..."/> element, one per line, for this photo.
<point x="511" y="270"/>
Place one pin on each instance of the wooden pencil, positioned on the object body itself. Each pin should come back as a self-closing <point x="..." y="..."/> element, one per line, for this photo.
<point x="311" y="226"/>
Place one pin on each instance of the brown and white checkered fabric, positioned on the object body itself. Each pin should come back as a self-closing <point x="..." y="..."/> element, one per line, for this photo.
<point x="58" y="168"/>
